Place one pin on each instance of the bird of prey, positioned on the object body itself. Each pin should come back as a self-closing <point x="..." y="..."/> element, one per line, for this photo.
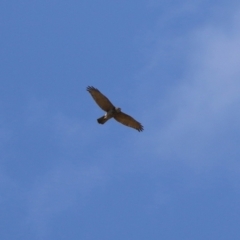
<point x="111" y="111"/>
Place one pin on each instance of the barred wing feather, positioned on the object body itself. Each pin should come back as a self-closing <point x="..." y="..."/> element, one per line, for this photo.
<point x="128" y="121"/>
<point x="101" y="100"/>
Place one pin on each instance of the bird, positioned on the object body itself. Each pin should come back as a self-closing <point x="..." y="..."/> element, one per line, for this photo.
<point x="111" y="111"/>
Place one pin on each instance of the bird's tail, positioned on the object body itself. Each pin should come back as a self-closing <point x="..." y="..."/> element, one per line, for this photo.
<point x="102" y="120"/>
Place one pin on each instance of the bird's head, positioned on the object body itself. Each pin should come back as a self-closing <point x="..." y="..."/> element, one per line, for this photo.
<point x="118" y="109"/>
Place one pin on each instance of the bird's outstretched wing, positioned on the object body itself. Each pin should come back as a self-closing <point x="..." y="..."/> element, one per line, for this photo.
<point x="102" y="101"/>
<point x="128" y="121"/>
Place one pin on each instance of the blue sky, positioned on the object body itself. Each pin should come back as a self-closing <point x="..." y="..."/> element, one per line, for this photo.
<point x="172" y="65"/>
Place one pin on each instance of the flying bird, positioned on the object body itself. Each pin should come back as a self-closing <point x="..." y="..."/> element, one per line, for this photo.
<point x="111" y="111"/>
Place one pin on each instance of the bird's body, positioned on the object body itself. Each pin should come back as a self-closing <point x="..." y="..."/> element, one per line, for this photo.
<point x="108" y="115"/>
<point x="111" y="111"/>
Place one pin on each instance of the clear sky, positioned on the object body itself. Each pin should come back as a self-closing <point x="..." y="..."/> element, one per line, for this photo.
<point x="172" y="65"/>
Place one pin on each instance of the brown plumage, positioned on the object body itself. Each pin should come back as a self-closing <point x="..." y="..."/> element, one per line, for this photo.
<point x="111" y="111"/>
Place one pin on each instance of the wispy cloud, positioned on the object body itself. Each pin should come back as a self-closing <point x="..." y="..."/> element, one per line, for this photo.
<point x="60" y="189"/>
<point x="196" y="119"/>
